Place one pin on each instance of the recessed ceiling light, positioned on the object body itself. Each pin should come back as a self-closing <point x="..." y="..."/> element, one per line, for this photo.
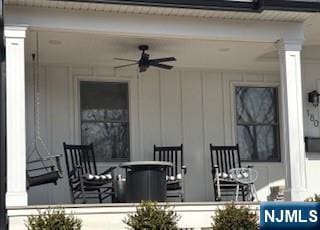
<point x="224" y="49"/>
<point x="55" y="42"/>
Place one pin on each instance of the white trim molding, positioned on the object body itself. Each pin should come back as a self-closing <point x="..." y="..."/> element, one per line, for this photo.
<point x="16" y="116"/>
<point x="140" y="25"/>
<point x="292" y="119"/>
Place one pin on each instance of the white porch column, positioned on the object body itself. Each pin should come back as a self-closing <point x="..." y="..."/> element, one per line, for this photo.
<point x="292" y="120"/>
<point x="16" y="116"/>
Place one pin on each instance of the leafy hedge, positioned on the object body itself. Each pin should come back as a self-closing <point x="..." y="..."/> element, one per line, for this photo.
<point x="235" y="218"/>
<point x="53" y="219"/>
<point x="316" y="198"/>
<point x="150" y="216"/>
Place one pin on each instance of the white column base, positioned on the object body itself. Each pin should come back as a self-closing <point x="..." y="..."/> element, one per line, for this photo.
<point x="295" y="194"/>
<point x="16" y="199"/>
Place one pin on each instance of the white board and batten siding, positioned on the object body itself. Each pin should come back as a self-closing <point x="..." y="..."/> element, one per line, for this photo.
<point x="189" y="107"/>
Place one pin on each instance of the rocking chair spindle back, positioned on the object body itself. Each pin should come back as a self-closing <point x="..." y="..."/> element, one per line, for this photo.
<point x="223" y="159"/>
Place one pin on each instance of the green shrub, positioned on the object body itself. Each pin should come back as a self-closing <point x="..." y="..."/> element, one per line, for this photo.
<point x="150" y="216"/>
<point x="53" y="219"/>
<point x="316" y="198"/>
<point x="232" y="217"/>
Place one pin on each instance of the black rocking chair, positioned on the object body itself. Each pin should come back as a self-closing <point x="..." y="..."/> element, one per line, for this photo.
<point x="175" y="174"/>
<point x="84" y="180"/>
<point x="224" y="158"/>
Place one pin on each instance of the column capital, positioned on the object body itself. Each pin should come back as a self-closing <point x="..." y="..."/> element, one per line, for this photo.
<point x="289" y="44"/>
<point x="15" y="31"/>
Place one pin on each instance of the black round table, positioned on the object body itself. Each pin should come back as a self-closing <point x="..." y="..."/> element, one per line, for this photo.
<point x="146" y="180"/>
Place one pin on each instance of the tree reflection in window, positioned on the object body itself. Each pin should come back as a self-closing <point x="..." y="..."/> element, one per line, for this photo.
<point x="257" y="123"/>
<point x="105" y="119"/>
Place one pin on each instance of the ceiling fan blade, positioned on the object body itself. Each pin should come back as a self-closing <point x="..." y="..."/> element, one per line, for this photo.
<point x="161" y="65"/>
<point x="163" y="59"/>
<point x="117" y="67"/>
<point x="123" y="59"/>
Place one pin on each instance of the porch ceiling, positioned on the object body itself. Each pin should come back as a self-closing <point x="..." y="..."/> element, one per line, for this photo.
<point x="312" y="30"/>
<point x="311" y="20"/>
<point x="99" y="50"/>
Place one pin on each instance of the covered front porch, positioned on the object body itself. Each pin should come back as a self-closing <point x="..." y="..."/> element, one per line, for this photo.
<point x="194" y="104"/>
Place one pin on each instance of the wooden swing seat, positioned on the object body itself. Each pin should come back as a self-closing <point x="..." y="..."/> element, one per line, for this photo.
<point x="44" y="174"/>
<point x="47" y="178"/>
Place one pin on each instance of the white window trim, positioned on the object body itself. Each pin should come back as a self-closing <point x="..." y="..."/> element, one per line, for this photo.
<point x="235" y="84"/>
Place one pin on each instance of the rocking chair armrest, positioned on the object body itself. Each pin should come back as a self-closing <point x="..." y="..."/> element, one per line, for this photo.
<point x="184" y="169"/>
<point x="108" y="170"/>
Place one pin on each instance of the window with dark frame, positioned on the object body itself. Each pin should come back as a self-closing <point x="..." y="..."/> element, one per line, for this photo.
<point x="105" y="119"/>
<point x="257" y="123"/>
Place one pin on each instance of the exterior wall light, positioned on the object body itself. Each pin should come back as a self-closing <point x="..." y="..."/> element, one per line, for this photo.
<point x="313" y="97"/>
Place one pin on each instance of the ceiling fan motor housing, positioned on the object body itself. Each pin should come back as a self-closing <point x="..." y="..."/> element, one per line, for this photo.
<point x="143" y="47"/>
<point x="144" y="63"/>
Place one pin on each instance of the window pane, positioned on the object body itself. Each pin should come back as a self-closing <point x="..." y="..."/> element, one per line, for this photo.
<point x="256" y="105"/>
<point x="109" y="139"/>
<point x="105" y="119"/>
<point x="93" y="114"/>
<point x="258" y="143"/>
<point x="116" y="115"/>
<point x="104" y="95"/>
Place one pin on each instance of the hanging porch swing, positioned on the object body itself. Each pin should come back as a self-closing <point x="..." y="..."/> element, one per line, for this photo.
<point x="40" y="170"/>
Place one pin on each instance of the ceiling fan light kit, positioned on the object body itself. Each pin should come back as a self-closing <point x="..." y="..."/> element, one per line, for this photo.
<point x="145" y="62"/>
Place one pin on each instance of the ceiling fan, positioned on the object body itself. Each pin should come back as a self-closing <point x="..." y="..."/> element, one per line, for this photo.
<point x="144" y="63"/>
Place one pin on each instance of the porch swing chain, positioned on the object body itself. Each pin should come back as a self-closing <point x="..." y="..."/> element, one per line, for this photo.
<point x="36" y="118"/>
